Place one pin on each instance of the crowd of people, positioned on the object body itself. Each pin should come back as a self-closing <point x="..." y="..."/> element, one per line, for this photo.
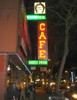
<point x="20" y="92"/>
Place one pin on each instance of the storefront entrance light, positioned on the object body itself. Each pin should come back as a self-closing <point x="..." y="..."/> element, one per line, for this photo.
<point x="8" y="68"/>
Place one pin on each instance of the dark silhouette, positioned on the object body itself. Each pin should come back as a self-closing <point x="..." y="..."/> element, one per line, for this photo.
<point x="19" y="92"/>
<point x="32" y="92"/>
<point x="12" y="92"/>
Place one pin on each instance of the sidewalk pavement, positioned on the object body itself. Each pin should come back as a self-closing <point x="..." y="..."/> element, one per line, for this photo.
<point x="40" y="96"/>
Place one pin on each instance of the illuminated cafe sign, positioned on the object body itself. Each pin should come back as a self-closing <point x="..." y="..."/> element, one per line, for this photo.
<point x="39" y="8"/>
<point x="42" y="41"/>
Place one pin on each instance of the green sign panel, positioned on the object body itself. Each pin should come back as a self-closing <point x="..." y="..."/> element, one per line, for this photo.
<point x="37" y="62"/>
<point x="36" y="17"/>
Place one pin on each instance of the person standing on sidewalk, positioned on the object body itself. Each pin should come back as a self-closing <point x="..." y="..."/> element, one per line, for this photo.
<point x="32" y="92"/>
<point x="12" y="92"/>
<point x="22" y="95"/>
<point x="19" y="91"/>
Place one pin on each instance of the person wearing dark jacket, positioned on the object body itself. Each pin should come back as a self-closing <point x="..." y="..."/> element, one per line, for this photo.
<point x="12" y="92"/>
<point x="32" y="92"/>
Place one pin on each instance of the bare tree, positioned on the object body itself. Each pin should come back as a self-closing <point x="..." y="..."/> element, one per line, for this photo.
<point x="64" y="13"/>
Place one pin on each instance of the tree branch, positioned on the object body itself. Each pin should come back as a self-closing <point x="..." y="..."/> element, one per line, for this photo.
<point x="57" y="14"/>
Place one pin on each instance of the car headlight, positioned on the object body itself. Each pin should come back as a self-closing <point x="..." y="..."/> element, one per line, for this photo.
<point x="74" y="96"/>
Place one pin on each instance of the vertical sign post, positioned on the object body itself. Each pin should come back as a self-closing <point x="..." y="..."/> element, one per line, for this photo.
<point x="39" y="14"/>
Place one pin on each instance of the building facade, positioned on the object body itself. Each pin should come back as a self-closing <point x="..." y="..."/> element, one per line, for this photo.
<point x="14" y="44"/>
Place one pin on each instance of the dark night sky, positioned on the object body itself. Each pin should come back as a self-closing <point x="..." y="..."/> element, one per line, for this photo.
<point x="32" y="27"/>
<point x="72" y="56"/>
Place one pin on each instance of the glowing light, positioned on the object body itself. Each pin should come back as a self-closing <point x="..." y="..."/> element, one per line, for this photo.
<point x="42" y="54"/>
<point x="43" y="83"/>
<point x="42" y="41"/>
<point x="36" y="17"/>
<point x="42" y="36"/>
<point x="18" y="67"/>
<point x="8" y="68"/>
<point x="37" y="62"/>
<point x="41" y="44"/>
<point x="52" y="83"/>
<point x="74" y="96"/>
<point x="42" y="26"/>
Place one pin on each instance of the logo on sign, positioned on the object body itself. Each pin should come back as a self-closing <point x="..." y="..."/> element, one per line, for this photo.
<point x="39" y="8"/>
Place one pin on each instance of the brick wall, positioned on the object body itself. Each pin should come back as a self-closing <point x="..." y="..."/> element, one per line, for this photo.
<point x="3" y="60"/>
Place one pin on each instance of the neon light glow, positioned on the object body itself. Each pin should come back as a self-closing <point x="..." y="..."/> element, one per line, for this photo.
<point x="42" y="54"/>
<point x="36" y="17"/>
<point x="42" y="41"/>
<point x="42" y="26"/>
<point x="37" y="62"/>
<point x="42" y="36"/>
